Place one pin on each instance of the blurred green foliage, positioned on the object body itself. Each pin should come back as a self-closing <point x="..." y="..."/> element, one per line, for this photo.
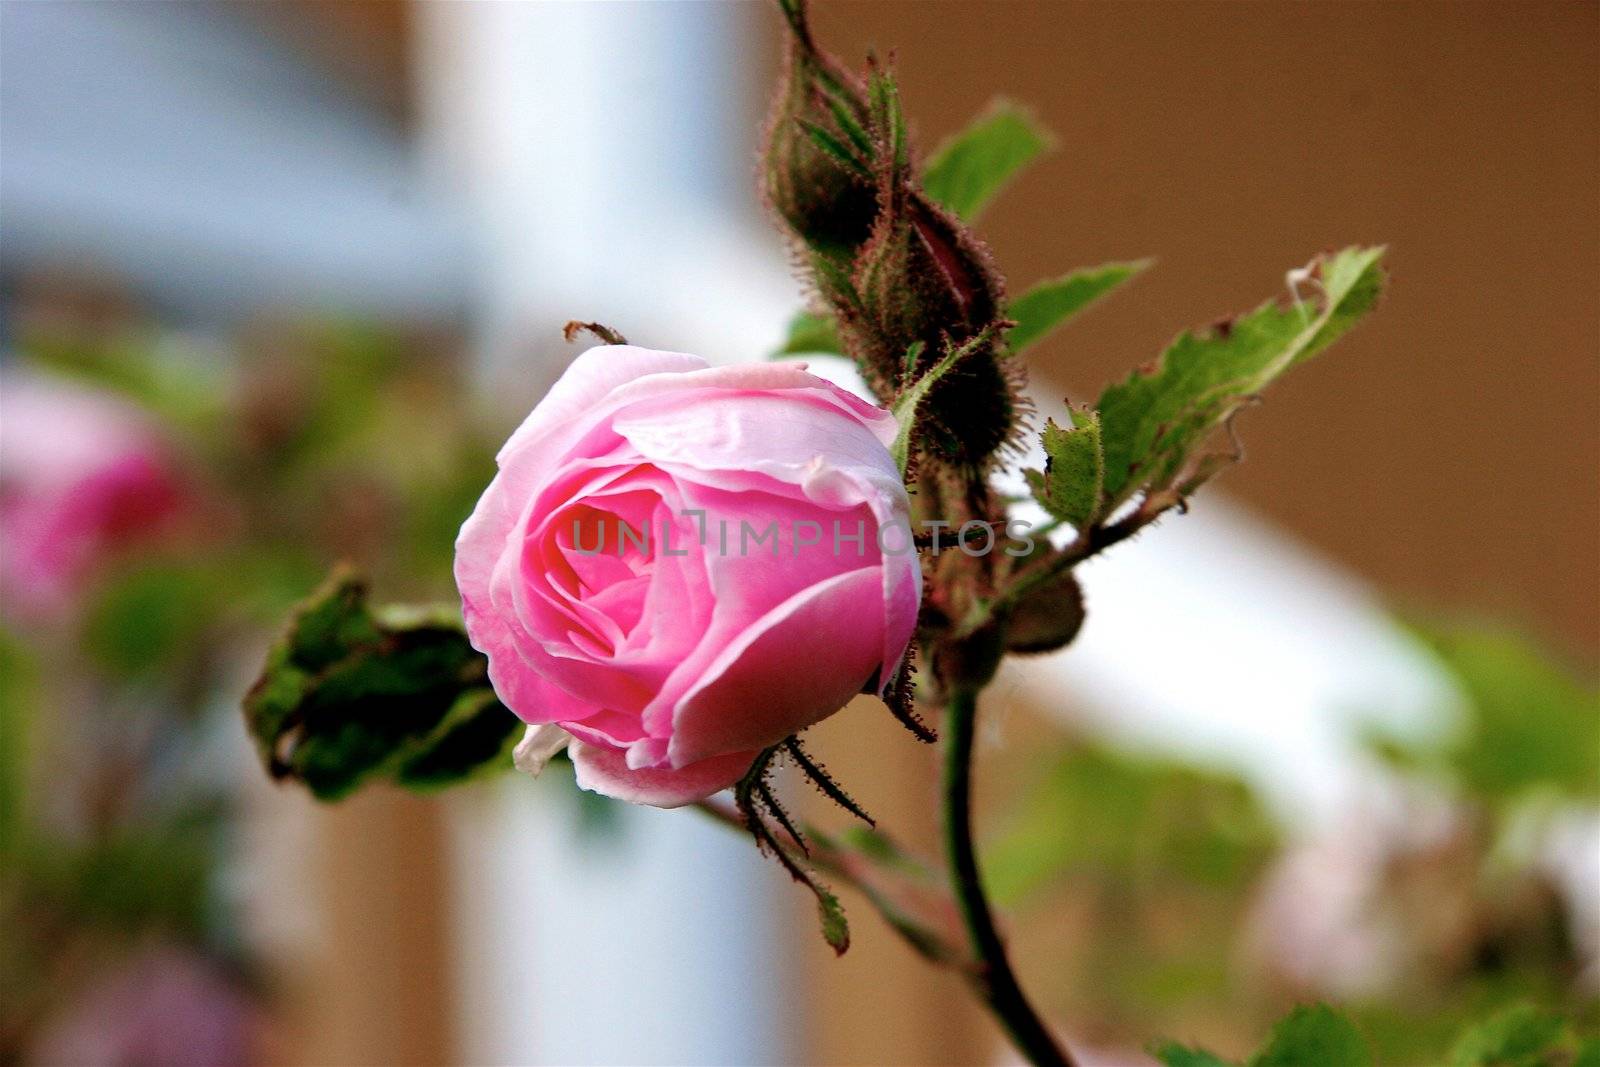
<point x="299" y="444"/>
<point x="1310" y="1034"/>
<point x="1137" y="821"/>
<point x="1139" y="879"/>
<point x="1530" y="722"/>
<point x="1133" y="877"/>
<point x="1519" y="1036"/>
<point x="17" y="695"/>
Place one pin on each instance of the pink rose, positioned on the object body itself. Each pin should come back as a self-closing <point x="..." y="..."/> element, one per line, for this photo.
<point x="168" y="1005"/>
<point x="82" y="474"/>
<point x="680" y="565"/>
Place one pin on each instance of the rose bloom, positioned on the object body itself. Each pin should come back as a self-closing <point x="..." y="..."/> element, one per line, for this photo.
<point x="166" y="1005"/>
<point x="82" y="475"/>
<point x="671" y="658"/>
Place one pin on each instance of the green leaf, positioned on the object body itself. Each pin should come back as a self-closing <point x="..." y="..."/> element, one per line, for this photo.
<point x="1520" y="1036"/>
<point x="1069" y="487"/>
<point x="1172" y="1054"/>
<point x="1050" y="303"/>
<point x="349" y="694"/>
<point x="1152" y="423"/>
<point x="969" y="169"/>
<point x="809" y="334"/>
<point x="1314" y="1034"/>
<point x="1533" y="722"/>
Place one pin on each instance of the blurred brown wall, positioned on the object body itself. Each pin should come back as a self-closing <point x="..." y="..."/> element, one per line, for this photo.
<point x="1449" y="449"/>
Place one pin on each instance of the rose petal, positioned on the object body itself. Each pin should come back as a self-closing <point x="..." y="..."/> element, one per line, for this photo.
<point x="536" y="748"/>
<point x="576" y="396"/>
<point x="766" y="684"/>
<point x="605" y="770"/>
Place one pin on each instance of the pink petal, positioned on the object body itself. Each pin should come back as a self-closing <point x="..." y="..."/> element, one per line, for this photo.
<point x="586" y="382"/>
<point x="796" y="666"/>
<point x="537" y="747"/>
<point x="605" y="770"/>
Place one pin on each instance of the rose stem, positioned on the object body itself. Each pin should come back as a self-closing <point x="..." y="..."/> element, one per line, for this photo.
<point x="994" y="979"/>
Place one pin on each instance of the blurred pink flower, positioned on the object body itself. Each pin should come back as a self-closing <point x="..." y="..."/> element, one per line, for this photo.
<point x="81" y="474"/>
<point x="680" y="565"/>
<point x="169" y="1006"/>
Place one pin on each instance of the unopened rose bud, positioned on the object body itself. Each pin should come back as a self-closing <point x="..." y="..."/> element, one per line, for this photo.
<point x="817" y="125"/>
<point x="924" y="278"/>
<point x="1047" y="618"/>
<point x="968" y="661"/>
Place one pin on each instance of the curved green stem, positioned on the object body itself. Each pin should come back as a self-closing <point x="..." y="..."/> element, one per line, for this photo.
<point x="993" y="977"/>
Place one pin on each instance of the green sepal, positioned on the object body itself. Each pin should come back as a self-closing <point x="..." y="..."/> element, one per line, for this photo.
<point x="756" y="802"/>
<point x="909" y="407"/>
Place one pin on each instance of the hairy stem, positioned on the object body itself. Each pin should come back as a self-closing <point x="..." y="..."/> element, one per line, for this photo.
<point x="993" y="977"/>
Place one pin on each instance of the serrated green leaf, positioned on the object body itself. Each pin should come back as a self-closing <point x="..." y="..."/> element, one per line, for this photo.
<point x="969" y="169"/>
<point x="1070" y="485"/>
<point x="1153" y="423"/>
<point x="1172" y="1054"/>
<point x="1314" y="1034"/>
<point x="1050" y="303"/>
<point x="1520" y="1036"/>
<point x="810" y="333"/>
<point x="349" y="694"/>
